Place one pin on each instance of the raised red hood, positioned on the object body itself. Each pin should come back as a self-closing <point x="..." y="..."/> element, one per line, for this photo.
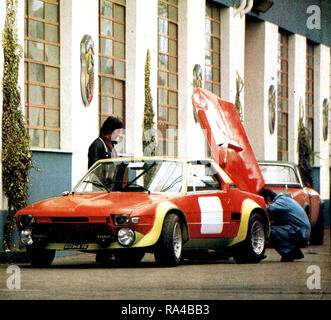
<point x="227" y="139"/>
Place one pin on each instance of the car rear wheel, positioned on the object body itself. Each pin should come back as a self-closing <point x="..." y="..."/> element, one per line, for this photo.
<point x="169" y="248"/>
<point x="253" y="248"/>
<point x="128" y="256"/>
<point x="40" y="257"/>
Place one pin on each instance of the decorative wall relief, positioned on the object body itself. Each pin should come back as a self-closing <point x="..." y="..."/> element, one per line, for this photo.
<point x="272" y="108"/>
<point x="87" y="69"/>
<point x="301" y="109"/>
<point x="325" y="118"/>
<point x="197" y="83"/>
<point x="239" y="88"/>
<point x="197" y="77"/>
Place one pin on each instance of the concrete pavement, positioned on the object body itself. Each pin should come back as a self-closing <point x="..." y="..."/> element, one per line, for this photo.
<point x="79" y="277"/>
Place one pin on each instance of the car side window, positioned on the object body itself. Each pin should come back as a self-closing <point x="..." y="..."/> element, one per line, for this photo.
<point x="278" y="174"/>
<point x="202" y="177"/>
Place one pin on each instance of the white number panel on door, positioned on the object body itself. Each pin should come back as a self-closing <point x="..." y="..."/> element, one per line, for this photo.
<point x="211" y="215"/>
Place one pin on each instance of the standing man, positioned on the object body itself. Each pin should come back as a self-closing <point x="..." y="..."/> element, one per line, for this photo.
<point x="103" y="146"/>
<point x="290" y="227"/>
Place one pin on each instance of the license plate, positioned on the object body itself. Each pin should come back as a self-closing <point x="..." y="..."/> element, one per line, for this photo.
<point x="75" y="246"/>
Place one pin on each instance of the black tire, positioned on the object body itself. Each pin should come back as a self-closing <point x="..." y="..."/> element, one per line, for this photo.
<point x="103" y="256"/>
<point x="206" y="255"/>
<point x="317" y="233"/>
<point x="169" y="249"/>
<point x="40" y="257"/>
<point x="128" y="257"/>
<point x="252" y="249"/>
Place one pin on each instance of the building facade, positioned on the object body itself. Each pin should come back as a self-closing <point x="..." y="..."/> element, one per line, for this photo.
<point x="272" y="62"/>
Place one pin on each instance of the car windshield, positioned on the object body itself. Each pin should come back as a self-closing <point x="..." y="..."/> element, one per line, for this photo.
<point x="276" y="174"/>
<point x="133" y="176"/>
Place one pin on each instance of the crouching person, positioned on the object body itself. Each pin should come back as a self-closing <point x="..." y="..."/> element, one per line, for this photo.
<point x="290" y="227"/>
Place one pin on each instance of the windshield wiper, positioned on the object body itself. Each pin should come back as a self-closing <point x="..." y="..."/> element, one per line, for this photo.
<point x="97" y="184"/>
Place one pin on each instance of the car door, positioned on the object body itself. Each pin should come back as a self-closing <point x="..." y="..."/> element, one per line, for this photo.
<point x="209" y="204"/>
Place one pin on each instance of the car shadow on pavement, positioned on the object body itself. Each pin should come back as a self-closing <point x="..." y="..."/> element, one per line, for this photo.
<point x="113" y="264"/>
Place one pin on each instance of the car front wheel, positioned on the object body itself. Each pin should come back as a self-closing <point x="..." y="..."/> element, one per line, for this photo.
<point x="40" y="257"/>
<point x="169" y="248"/>
<point x="253" y="248"/>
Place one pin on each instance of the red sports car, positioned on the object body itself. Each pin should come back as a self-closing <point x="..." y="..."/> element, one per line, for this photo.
<point x="285" y="177"/>
<point x="170" y="207"/>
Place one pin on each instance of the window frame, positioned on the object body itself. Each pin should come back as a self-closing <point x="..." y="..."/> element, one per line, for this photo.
<point x="169" y="108"/>
<point x="283" y="96"/>
<point x="111" y="76"/>
<point x="212" y="84"/>
<point x="309" y="102"/>
<point x="45" y="63"/>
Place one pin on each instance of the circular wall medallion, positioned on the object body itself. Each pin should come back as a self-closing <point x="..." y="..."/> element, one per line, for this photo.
<point x="325" y="118"/>
<point x="272" y="108"/>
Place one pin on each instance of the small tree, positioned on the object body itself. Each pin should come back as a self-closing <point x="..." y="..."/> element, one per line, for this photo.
<point x="15" y="153"/>
<point x="148" y="124"/>
<point x="305" y="154"/>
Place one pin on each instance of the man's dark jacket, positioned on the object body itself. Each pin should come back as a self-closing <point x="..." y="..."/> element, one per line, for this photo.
<point x="100" y="149"/>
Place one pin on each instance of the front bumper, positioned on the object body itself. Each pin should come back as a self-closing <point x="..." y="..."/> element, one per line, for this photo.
<point x="76" y="236"/>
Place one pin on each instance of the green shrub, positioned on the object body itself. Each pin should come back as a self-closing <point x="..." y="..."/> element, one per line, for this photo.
<point x="15" y="153"/>
<point x="148" y="124"/>
<point x="306" y="155"/>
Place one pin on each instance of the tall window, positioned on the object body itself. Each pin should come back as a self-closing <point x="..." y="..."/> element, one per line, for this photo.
<point x="213" y="49"/>
<point x="168" y="75"/>
<point x="42" y="72"/>
<point x="111" y="59"/>
<point x="282" y="129"/>
<point x="310" y="91"/>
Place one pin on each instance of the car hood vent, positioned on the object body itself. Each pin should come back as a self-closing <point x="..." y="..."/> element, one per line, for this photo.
<point x="69" y="219"/>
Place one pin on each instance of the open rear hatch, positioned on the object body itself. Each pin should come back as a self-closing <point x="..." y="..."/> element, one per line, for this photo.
<point x="227" y="140"/>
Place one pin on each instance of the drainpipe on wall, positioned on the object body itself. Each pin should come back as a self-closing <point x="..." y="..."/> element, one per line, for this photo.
<point x="244" y="7"/>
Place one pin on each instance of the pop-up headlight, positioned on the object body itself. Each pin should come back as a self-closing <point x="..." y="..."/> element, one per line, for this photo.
<point x="26" y="221"/>
<point x="120" y="219"/>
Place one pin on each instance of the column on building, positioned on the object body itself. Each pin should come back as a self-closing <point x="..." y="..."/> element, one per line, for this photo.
<point x="261" y="58"/>
<point x="321" y="92"/>
<point x="141" y="35"/>
<point x="67" y="98"/>
<point x="191" y="51"/>
<point x="83" y="120"/>
<point x="232" y="53"/>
